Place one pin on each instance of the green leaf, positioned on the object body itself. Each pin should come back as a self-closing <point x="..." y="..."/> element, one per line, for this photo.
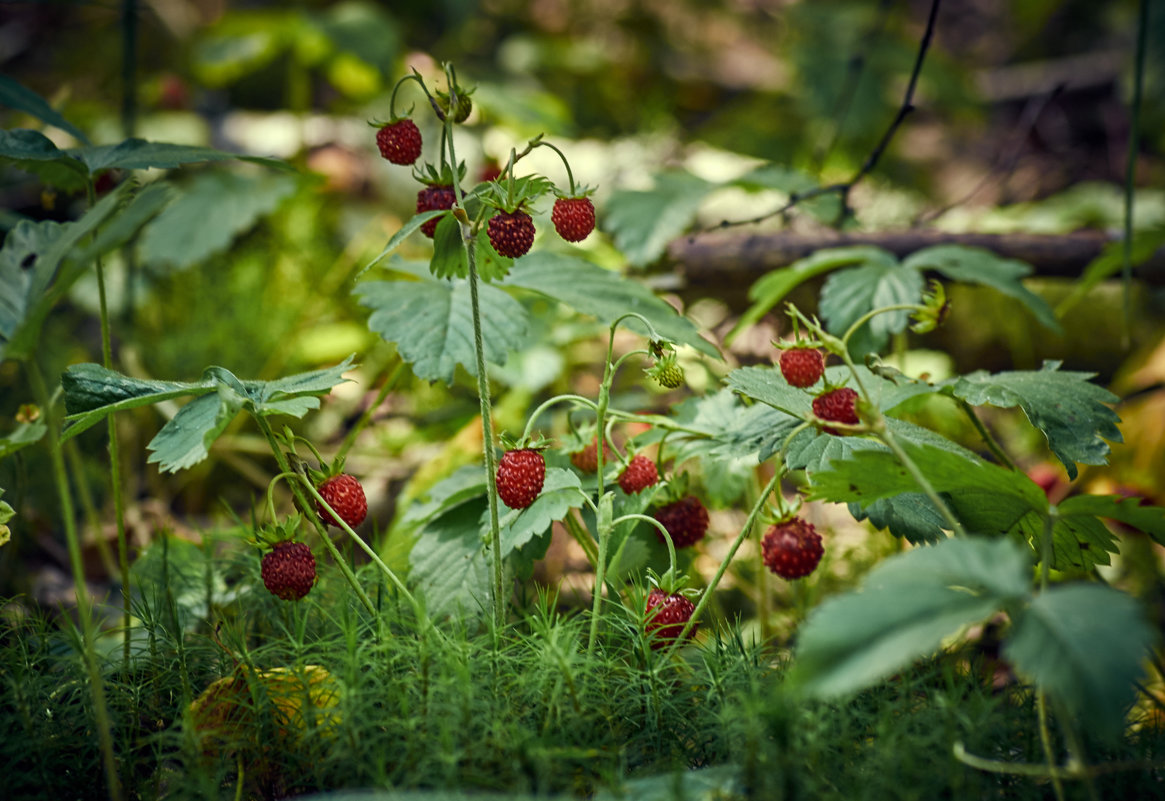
<point x="92" y="392"/>
<point x="34" y="152"/>
<point x="21" y="98"/>
<point x="849" y="294"/>
<point x="1109" y="263"/>
<point x="771" y="289"/>
<point x="432" y="325"/>
<point x="1066" y="406"/>
<point x="909" y="514"/>
<point x="414" y="224"/>
<point x="1084" y="645"/>
<point x="1130" y="511"/>
<point x="448" y="564"/>
<point x="972" y="265"/>
<point x="791" y="181"/>
<point x="215" y="208"/>
<point x="24" y="435"/>
<point x="185" y="440"/>
<point x="138" y="154"/>
<point x="907" y="606"/>
<point x="313" y="382"/>
<point x="465" y="484"/>
<point x="142" y="207"/>
<point x="449" y="259"/>
<point x="32" y="277"/>
<point x="603" y="294"/>
<point x="561" y="492"/>
<point x="642" y="223"/>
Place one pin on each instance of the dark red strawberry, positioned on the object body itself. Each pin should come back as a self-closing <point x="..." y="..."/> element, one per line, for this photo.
<point x="686" y="520"/>
<point x="802" y="367"/>
<point x="289" y="570"/>
<point x="587" y="460"/>
<point x="520" y="476"/>
<point x="792" y="549"/>
<point x="837" y="406"/>
<point x="399" y="141"/>
<point x="666" y="616"/>
<point x="435" y="197"/>
<point x="638" y="475"/>
<point x="573" y="218"/>
<point x="344" y="494"/>
<point x="511" y="233"/>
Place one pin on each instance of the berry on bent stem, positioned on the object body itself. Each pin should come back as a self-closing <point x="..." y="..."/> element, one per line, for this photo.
<point x="802" y="367"/>
<point x="511" y="233"/>
<point x="399" y="141"/>
<point x="289" y="570"/>
<point x="345" y="494"/>
<point x="639" y="474"/>
<point x="792" y="549"/>
<point x="520" y="475"/>
<point x="838" y="405"/>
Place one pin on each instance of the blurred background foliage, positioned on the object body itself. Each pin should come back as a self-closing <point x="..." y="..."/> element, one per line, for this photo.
<point x="1017" y="103"/>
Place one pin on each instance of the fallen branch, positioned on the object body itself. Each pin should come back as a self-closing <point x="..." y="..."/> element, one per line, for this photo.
<point x="724" y="259"/>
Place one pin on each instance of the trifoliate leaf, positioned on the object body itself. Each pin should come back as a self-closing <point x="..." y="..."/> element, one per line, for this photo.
<point x="185" y="440"/>
<point x="642" y="223"/>
<point x="907" y="606"/>
<point x="1069" y="409"/>
<point x="849" y="294"/>
<point x="1130" y="511"/>
<point x="971" y="265"/>
<point x="431" y="323"/>
<point x="1084" y="645"/>
<point x="606" y="295"/>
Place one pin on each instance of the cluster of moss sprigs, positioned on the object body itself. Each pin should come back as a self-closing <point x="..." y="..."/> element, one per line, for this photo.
<point x="524" y="712"/>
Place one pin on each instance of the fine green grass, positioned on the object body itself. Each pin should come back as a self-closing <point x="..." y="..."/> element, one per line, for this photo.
<point x="462" y="709"/>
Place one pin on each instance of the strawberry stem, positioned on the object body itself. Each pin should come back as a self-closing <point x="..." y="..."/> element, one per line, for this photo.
<point x="565" y="163"/>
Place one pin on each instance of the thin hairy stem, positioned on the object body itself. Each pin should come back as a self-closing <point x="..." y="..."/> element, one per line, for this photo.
<point x="986" y="436"/>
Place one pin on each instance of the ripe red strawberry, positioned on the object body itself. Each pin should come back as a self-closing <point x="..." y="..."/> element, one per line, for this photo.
<point x="573" y="218"/>
<point x="511" y="233"/>
<point x="837" y="406"/>
<point x="686" y="520"/>
<point x="289" y="570"/>
<point x="792" y="549"/>
<point x="520" y="476"/>
<point x="802" y="367"/>
<point x="434" y="197"/>
<point x="666" y="616"/>
<point x="638" y="475"/>
<point x="587" y="460"/>
<point x="344" y="494"/>
<point x="399" y="141"/>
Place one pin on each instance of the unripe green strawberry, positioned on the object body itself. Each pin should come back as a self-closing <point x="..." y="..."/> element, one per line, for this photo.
<point x="686" y="520"/>
<point x="669" y="374"/>
<point x="289" y="570"/>
<point x="638" y="475"/>
<point x="792" y="549"/>
<point x="573" y="218"/>
<point x="802" y="367"/>
<point x="435" y="197"/>
<point x="520" y="476"/>
<point x="399" y="141"/>
<point x="666" y="617"/>
<point x="460" y="112"/>
<point x="837" y="406"/>
<point x="511" y="234"/>
<point x="344" y="494"/>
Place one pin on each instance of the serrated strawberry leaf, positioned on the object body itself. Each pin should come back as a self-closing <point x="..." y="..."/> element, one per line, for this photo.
<point x="561" y="492"/>
<point x="431" y="323"/>
<point x="224" y="204"/>
<point x="16" y="96"/>
<point x="92" y="392"/>
<point x="771" y="289"/>
<point x="138" y="154"/>
<point x="986" y="498"/>
<point x="603" y="294"/>
<point x="464" y="484"/>
<point x="1130" y="511"/>
<point x="907" y="606"/>
<point x="1084" y="645"/>
<point x="642" y="223"/>
<point x="448" y="565"/>
<point x="413" y="224"/>
<point x="186" y="439"/>
<point x="1069" y="409"/>
<point x="449" y="259"/>
<point x="971" y="265"/>
<point x="910" y="515"/>
<point x="36" y="269"/>
<point x="34" y="152"/>
<point x="849" y="294"/>
<point x="142" y="207"/>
